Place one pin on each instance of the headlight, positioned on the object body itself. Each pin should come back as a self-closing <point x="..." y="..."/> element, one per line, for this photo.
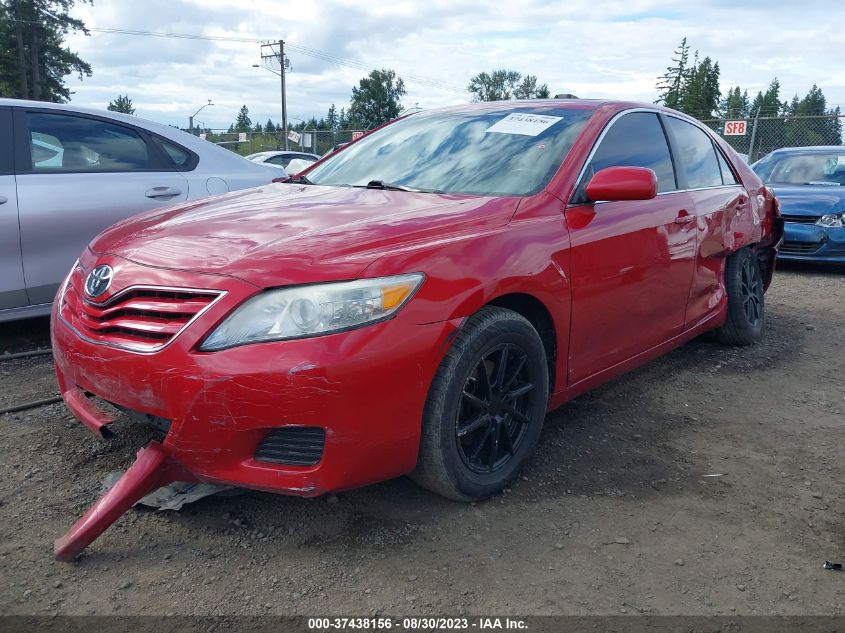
<point x="303" y="311"/>
<point x="832" y="220"/>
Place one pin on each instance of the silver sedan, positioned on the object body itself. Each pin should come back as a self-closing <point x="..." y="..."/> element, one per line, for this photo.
<point x="67" y="173"/>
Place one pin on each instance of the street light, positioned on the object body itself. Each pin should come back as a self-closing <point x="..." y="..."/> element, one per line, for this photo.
<point x="191" y="118"/>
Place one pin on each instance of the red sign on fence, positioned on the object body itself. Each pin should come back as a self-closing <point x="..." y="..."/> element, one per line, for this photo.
<point x="357" y="135"/>
<point x="735" y="128"/>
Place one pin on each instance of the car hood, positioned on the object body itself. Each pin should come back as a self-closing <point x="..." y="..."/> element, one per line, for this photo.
<point x="286" y="233"/>
<point x="810" y="200"/>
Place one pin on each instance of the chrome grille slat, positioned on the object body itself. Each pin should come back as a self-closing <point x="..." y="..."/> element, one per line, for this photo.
<point x="138" y="318"/>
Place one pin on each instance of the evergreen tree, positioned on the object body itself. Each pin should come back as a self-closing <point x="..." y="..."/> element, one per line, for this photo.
<point x="700" y="95"/>
<point x="735" y="105"/>
<point x="33" y="59"/>
<point x="809" y="122"/>
<point x="768" y="103"/>
<point x="270" y="127"/>
<point x="332" y="119"/>
<point x="243" y="123"/>
<point x="771" y="128"/>
<point x="674" y="81"/>
<point x="122" y="104"/>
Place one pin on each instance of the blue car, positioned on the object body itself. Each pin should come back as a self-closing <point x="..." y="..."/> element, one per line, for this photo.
<point x="810" y="185"/>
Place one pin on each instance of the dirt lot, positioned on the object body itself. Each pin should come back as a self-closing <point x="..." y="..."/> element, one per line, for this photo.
<point x="708" y="482"/>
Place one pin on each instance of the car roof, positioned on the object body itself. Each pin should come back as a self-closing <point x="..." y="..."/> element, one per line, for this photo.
<point x="550" y="104"/>
<point x="284" y="151"/>
<point x="810" y="149"/>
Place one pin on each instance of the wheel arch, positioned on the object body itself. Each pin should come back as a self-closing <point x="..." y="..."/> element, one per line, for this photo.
<point x="536" y="312"/>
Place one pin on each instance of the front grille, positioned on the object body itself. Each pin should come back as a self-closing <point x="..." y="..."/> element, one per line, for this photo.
<point x="801" y="219"/>
<point x="143" y="319"/>
<point x="799" y="248"/>
<point x="293" y="445"/>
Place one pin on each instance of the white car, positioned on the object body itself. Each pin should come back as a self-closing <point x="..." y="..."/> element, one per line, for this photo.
<point x="284" y="158"/>
<point x="67" y="173"/>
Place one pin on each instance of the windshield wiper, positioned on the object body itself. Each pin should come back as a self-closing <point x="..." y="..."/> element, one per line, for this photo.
<point x="391" y="186"/>
<point x="301" y="180"/>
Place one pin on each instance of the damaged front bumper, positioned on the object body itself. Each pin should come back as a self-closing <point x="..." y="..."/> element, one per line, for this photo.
<point x="363" y="389"/>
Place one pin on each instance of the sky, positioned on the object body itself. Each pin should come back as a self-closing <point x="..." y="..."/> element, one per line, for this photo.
<point x="591" y="48"/>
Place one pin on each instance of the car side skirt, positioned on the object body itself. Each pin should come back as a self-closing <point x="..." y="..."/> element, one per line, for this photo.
<point x="712" y="321"/>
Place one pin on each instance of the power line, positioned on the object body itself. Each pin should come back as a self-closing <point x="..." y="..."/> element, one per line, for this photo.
<point x="304" y="50"/>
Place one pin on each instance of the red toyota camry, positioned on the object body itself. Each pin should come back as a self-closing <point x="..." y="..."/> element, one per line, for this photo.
<point x="414" y="303"/>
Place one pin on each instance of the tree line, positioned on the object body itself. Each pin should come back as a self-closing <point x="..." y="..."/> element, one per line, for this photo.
<point x="377" y="99"/>
<point x="691" y="85"/>
<point x="35" y="62"/>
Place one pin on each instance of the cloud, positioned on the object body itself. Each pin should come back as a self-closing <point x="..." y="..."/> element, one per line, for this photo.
<point x="594" y="48"/>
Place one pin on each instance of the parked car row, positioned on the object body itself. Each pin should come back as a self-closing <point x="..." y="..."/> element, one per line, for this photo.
<point x="67" y="173"/>
<point x="413" y="303"/>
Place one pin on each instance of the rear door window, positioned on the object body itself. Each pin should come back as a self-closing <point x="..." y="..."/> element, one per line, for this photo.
<point x="61" y="142"/>
<point x="635" y="140"/>
<point x="696" y="155"/>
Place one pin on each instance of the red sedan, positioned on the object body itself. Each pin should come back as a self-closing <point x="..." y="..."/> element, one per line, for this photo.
<point x="413" y="304"/>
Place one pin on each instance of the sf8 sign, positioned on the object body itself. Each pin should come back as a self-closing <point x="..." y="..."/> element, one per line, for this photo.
<point x="735" y="128"/>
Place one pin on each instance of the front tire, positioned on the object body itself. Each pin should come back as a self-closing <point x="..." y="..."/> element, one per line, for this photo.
<point x="746" y="300"/>
<point x="485" y="407"/>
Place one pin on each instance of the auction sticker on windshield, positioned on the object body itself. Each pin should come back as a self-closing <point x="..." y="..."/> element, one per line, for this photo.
<point x="525" y="124"/>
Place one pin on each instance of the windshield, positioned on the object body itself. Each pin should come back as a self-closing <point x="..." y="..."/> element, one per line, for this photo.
<point x="502" y="152"/>
<point x="816" y="168"/>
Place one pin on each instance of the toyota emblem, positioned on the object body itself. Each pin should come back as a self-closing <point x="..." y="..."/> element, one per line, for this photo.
<point x="98" y="280"/>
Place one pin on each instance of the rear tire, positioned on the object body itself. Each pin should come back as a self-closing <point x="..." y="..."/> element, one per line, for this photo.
<point x="485" y="407"/>
<point x="746" y="300"/>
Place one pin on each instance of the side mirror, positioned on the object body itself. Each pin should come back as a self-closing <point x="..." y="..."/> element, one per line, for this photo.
<point x="622" y="183"/>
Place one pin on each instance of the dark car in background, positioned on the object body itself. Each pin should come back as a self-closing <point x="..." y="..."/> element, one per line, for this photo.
<point x="809" y="182"/>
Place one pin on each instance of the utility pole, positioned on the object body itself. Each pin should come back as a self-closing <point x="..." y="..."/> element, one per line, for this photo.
<point x="284" y="65"/>
<point x="753" y="136"/>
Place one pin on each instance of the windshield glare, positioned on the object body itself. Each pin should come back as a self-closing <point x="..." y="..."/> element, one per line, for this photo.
<point x="457" y="152"/>
<point x="817" y="168"/>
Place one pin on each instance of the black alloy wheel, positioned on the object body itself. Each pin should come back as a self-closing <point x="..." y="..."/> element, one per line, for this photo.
<point x="496" y="401"/>
<point x="485" y="407"/>
<point x="745" y="288"/>
<point x="751" y="284"/>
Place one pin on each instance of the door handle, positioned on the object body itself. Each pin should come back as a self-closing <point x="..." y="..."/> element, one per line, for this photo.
<point x="162" y="192"/>
<point x="684" y="217"/>
<point x="3" y="199"/>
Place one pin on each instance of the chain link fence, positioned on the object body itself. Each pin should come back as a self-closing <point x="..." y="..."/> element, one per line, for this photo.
<point x="756" y="137"/>
<point x="311" y="141"/>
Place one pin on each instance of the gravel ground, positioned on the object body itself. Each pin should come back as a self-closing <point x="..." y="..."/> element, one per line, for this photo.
<point x="707" y="482"/>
